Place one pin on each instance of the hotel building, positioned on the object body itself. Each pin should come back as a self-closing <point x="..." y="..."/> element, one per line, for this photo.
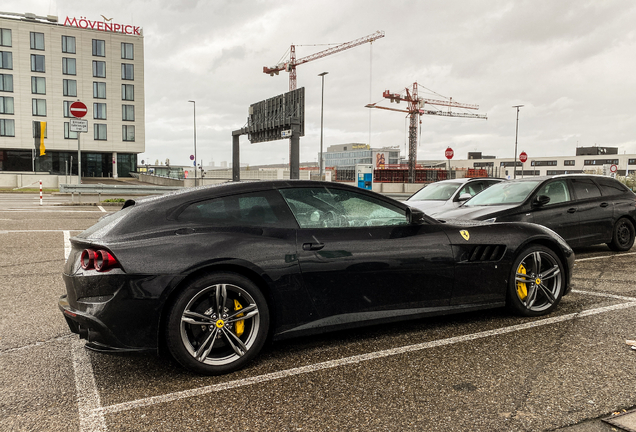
<point x="45" y="66"/>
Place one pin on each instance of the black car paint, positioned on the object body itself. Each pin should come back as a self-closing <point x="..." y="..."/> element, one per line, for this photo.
<point x="123" y="309"/>
<point x="581" y="221"/>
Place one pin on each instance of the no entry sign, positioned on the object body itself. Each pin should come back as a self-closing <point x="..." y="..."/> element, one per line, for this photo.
<point x="523" y="157"/>
<point x="78" y="109"/>
<point x="449" y="153"/>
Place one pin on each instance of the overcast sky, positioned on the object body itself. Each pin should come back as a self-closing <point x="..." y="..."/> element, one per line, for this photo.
<point x="571" y="63"/>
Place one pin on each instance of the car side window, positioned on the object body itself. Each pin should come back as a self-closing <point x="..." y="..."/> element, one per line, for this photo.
<point x="611" y="187"/>
<point x="557" y="191"/>
<point x="585" y="188"/>
<point x="336" y="208"/>
<point x="254" y="209"/>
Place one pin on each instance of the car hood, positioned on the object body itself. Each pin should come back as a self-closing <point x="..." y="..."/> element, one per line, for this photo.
<point x="475" y="212"/>
<point x="426" y="205"/>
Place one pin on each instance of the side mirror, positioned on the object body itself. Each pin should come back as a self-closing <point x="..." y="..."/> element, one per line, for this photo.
<point x="464" y="197"/>
<point x="541" y="200"/>
<point x="415" y="216"/>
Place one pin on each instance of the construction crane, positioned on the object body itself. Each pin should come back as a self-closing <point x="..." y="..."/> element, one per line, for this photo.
<point x="290" y="66"/>
<point x="416" y="107"/>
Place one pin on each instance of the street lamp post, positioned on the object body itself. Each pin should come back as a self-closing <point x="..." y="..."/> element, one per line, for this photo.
<point x="322" y="104"/>
<point x="514" y="169"/>
<point x="194" y="106"/>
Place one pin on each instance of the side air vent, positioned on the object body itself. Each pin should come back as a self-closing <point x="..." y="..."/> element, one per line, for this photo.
<point x="484" y="253"/>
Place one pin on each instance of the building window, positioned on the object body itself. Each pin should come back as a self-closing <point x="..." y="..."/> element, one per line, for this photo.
<point x="128" y="132"/>
<point x="6" y="60"/>
<point x="39" y="107"/>
<point x="569" y="163"/>
<point x="67" y="109"/>
<point x="69" y="87"/>
<point x="6" y="82"/>
<point x="128" y="92"/>
<point x="127" y="51"/>
<point x="99" y="90"/>
<point x="37" y="41"/>
<point x="6" y="105"/>
<point x="7" y="127"/>
<point x="99" y="132"/>
<point x="544" y="163"/>
<point x="68" y="133"/>
<point x="128" y="112"/>
<point x="99" y="111"/>
<point x="600" y="162"/>
<point x="127" y="71"/>
<point x="68" y="66"/>
<point x="631" y="162"/>
<point x="38" y="85"/>
<point x="5" y="37"/>
<point x="68" y="44"/>
<point x="99" y="48"/>
<point x="99" y="69"/>
<point x="37" y="63"/>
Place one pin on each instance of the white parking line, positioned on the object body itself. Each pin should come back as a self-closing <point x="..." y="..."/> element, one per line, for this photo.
<point x="91" y="418"/>
<point x="67" y="244"/>
<point x="102" y="209"/>
<point x="605" y="256"/>
<point x="154" y="400"/>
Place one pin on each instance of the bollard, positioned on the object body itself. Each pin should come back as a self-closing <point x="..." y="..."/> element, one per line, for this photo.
<point x="40" y="192"/>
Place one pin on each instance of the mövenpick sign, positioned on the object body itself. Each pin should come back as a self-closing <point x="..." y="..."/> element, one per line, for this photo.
<point x="83" y="23"/>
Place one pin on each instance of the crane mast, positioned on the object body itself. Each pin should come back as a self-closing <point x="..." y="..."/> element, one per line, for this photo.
<point x="290" y="66"/>
<point x="416" y="107"/>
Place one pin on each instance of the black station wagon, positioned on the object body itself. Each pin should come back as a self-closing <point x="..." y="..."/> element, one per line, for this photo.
<point x="583" y="209"/>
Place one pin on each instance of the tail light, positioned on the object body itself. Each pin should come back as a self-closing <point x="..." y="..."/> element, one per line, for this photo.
<point x="101" y="260"/>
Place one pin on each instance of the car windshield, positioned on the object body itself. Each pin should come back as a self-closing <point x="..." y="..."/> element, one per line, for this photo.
<point x="436" y="191"/>
<point x="503" y="193"/>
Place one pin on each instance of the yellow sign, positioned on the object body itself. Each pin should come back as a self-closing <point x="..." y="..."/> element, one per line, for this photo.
<point x="465" y="234"/>
<point x="360" y="146"/>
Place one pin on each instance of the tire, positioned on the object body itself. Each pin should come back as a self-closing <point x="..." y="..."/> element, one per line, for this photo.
<point x="212" y="340"/>
<point x="537" y="282"/>
<point x="623" y="235"/>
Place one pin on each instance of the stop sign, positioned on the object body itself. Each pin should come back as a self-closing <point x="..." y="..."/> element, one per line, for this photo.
<point x="523" y="157"/>
<point x="78" y="109"/>
<point x="449" y="153"/>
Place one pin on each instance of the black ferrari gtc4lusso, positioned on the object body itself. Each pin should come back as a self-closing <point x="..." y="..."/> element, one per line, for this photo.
<point x="213" y="272"/>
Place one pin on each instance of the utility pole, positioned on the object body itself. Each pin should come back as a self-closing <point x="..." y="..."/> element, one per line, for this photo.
<point x="514" y="169"/>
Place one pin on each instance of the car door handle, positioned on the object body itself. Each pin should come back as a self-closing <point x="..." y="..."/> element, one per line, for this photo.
<point x="184" y="231"/>
<point x="604" y="204"/>
<point x="572" y="210"/>
<point x="313" y="246"/>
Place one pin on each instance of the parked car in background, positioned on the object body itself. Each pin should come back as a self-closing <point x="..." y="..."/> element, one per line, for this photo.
<point x="448" y="194"/>
<point x="583" y="209"/>
<point x="211" y="273"/>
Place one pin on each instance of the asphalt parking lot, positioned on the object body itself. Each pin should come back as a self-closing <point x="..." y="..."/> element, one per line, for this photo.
<point x="483" y="371"/>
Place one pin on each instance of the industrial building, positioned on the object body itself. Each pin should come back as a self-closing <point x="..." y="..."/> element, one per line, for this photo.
<point x="45" y="66"/>
<point x="595" y="160"/>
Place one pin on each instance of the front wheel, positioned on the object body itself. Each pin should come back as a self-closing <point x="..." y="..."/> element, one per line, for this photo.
<point x="536" y="283"/>
<point x="217" y="324"/>
<point x="623" y="235"/>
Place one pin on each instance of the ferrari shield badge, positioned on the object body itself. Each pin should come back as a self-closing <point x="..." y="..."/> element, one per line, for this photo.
<point x="465" y="234"/>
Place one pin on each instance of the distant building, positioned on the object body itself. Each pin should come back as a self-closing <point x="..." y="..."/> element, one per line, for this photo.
<point x="586" y="160"/>
<point x="46" y="65"/>
<point x="346" y="156"/>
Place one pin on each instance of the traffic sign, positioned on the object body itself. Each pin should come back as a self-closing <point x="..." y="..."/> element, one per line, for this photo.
<point x="613" y="168"/>
<point x="449" y="153"/>
<point x="78" y="125"/>
<point x="523" y="157"/>
<point x="78" y="109"/>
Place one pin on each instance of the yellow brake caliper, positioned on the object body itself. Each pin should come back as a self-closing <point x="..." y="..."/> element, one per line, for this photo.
<point x="522" y="289"/>
<point x="239" y="325"/>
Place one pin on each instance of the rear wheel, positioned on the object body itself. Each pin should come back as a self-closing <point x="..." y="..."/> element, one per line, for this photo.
<point x="623" y="236"/>
<point x="537" y="282"/>
<point x="217" y="324"/>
